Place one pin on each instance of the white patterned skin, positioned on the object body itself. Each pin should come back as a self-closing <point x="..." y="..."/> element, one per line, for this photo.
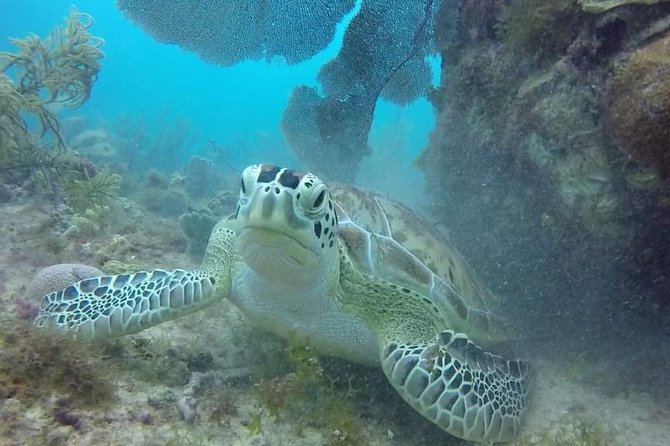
<point x="281" y="260"/>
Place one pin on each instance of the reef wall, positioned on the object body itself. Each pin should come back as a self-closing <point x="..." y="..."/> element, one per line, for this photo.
<point x="550" y="159"/>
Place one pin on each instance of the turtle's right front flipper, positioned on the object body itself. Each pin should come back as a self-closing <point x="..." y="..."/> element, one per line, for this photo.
<point x="108" y="306"/>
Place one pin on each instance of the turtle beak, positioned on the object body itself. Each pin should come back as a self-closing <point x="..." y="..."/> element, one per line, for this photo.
<point x="273" y="240"/>
<point x="271" y="208"/>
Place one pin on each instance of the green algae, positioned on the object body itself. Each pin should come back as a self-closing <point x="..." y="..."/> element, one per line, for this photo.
<point x="310" y="397"/>
<point x="541" y="29"/>
<point x="35" y="363"/>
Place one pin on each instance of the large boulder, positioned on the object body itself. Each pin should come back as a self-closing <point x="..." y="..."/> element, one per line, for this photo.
<point x="639" y="106"/>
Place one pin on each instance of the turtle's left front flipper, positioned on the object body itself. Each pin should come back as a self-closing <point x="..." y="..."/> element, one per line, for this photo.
<point x="107" y="306"/>
<point x="469" y="393"/>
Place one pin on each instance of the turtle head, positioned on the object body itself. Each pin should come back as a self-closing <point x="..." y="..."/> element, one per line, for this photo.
<point x="287" y="225"/>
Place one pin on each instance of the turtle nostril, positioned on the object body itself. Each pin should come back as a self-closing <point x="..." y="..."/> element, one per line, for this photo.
<point x="277" y="190"/>
<point x="267" y="189"/>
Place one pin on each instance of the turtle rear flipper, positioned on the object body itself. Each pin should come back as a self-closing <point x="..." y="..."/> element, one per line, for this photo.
<point x="469" y="393"/>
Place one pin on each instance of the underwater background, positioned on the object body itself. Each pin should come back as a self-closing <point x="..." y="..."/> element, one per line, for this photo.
<point x="534" y="135"/>
<point x="238" y="107"/>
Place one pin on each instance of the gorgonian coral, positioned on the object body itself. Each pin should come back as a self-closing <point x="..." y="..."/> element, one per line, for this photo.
<point x="383" y="54"/>
<point x="61" y="68"/>
<point x="58" y="69"/>
<point x="230" y="31"/>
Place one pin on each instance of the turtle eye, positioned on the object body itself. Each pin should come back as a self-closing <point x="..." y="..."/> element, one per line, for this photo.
<point x="317" y="198"/>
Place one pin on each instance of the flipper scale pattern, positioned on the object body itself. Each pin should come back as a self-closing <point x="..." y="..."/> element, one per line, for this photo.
<point x="107" y="306"/>
<point x="468" y="392"/>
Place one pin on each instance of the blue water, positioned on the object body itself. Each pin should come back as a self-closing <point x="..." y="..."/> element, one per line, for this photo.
<point x="239" y="108"/>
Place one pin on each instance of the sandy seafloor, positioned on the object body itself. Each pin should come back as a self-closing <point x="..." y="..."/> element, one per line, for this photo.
<point x="568" y="408"/>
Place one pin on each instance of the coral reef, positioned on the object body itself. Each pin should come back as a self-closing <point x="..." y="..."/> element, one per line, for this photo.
<point x="542" y="29"/>
<point x="528" y="181"/>
<point x="522" y="141"/>
<point x="95" y="144"/>
<point x="202" y="178"/>
<point x="143" y="146"/>
<point x="639" y="105"/>
<point x="161" y="195"/>
<point x="197" y="224"/>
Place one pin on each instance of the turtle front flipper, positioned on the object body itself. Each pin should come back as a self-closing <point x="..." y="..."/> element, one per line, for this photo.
<point x="470" y="393"/>
<point x="107" y="306"/>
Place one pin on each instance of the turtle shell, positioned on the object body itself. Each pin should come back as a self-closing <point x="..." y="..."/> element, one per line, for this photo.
<point x="387" y="239"/>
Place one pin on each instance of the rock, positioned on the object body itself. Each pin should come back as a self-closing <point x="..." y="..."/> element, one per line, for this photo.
<point x="598" y="6"/>
<point x="6" y="193"/>
<point x="639" y="106"/>
<point x="188" y="408"/>
<point x="89" y="137"/>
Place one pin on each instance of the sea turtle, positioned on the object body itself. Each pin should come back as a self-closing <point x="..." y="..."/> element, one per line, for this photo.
<point x="351" y="272"/>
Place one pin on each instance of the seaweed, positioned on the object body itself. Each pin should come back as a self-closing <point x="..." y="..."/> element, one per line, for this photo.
<point x="542" y="29"/>
<point x="221" y="406"/>
<point x="33" y="363"/>
<point x="311" y="397"/>
<point x="254" y="425"/>
<point x="22" y="158"/>
<point x="90" y="191"/>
